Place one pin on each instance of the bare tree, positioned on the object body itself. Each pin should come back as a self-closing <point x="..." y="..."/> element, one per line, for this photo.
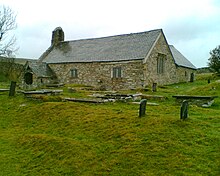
<point x="7" y="47"/>
<point x="7" y="24"/>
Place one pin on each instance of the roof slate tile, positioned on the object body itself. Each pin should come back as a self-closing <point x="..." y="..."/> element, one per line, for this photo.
<point x="114" y="48"/>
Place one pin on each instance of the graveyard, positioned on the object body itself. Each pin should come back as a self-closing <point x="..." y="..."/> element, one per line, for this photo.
<point x="74" y="130"/>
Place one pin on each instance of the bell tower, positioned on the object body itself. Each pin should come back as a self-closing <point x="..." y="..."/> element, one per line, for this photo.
<point x="57" y="36"/>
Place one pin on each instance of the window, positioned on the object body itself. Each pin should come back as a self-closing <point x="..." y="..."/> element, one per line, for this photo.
<point x="117" y="73"/>
<point x="73" y="73"/>
<point x="161" y="63"/>
<point x="186" y="74"/>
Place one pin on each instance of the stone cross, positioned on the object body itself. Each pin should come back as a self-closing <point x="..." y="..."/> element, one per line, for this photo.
<point x="184" y="110"/>
<point x="142" y="109"/>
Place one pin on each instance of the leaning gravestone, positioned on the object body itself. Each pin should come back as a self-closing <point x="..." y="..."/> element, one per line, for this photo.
<point x="12" y="89"/>
<point x="184" y="110"/>
<point x="142" y="109"/>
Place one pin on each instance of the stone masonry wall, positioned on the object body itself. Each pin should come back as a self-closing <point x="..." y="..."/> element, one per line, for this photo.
<point x="150" y="69"/>
<point x="135" y="74"/>
<point x="99" y="74"/>
<point x="184" y="74"/>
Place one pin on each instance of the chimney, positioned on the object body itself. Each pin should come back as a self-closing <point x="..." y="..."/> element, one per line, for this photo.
<point x="57" y="36"/>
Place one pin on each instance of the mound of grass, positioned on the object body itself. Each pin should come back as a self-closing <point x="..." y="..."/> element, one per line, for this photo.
<point x="208" y="89"/>
<point x="69" y="138"/>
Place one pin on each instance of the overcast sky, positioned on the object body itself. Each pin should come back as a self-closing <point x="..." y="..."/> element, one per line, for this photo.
<point x="192" y="26"/>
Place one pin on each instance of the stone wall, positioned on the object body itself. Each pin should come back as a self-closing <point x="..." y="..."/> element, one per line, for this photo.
<point x="184" y="74"/>
<point x="10" y="69"/>
<point x="150" y="69"/>
<point x="99" y="74"/>
<point x="38" y="82"/>
<point x="135" y="74"/>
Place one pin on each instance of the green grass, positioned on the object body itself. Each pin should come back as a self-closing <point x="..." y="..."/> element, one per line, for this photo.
<point x="3" y="78"/>
<point x="4" y="82"/>
<point x="67" y="138"/>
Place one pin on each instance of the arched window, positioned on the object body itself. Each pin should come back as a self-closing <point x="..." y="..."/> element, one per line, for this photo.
<point x="161" y="63"/>
<point x="186" y="74"/>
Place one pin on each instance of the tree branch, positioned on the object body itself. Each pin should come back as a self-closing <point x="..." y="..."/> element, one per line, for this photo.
<point x="7" y="23"/>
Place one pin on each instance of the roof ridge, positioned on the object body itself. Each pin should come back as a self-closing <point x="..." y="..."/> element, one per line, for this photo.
<point x="111" y="36"/>
<point x="111" y="48"/>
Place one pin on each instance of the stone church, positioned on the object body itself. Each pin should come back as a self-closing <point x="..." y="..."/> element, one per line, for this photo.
<point x="118" y="62"/>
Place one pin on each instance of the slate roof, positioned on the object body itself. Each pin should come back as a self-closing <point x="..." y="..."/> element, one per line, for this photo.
<point x="41" y="69"/>
<point x="179" y="59"/>
<point x="132" y="46"/>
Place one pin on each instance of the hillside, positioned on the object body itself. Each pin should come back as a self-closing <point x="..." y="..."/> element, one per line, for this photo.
<point x="70" y="138"/>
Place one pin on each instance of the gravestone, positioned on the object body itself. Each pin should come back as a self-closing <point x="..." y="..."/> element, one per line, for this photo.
<point x="209" y="81"/>
<point x="142" y="109"/>
<point x="184" y="110"/>
<point x="12" y="89"/>
<point x="154" y="87"/>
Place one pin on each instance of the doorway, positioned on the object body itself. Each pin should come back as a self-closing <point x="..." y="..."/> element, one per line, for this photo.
<point x="28" y="78"/>
<point x="192" y="77"/>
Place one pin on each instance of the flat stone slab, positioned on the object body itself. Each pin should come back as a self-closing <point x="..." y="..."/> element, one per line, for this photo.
<point x="54" y="85"/>
<point x="194" y="97"/>
<point x="84" y="100"/>
<point x="153" y="97"/>
<point x="117" y="96"/>
<point x="53" y="92"/>
<point x="203" y="101"/>
<point x="148" y="103"/>
<point x="4" y="90"/>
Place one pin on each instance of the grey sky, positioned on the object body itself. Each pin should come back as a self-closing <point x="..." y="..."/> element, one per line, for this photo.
<point x="192" y="26"/>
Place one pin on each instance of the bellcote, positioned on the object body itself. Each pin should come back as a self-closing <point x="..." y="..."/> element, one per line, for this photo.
<point x="57" y="36"/>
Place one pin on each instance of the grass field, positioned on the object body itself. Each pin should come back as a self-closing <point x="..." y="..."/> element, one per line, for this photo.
<point x="69" y="138"/>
